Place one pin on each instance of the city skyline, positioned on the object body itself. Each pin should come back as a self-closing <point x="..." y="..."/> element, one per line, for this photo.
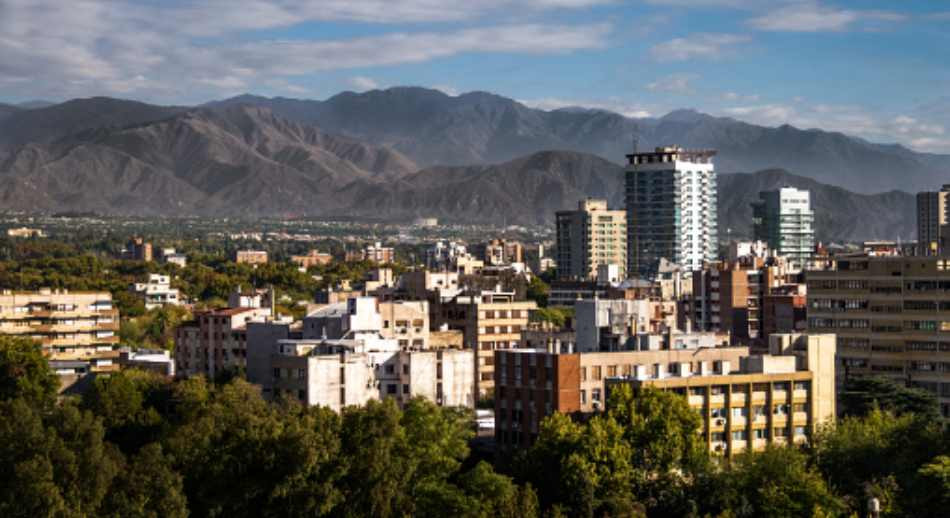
<point x="832" y="65"/>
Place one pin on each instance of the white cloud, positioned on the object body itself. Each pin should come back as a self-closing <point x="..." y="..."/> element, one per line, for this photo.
<point x="178" y="53"/>
<point x="813" y="17"/>
<point x="851" y="120"/>
<point x="675" y="84"/>
<point x="703" y="46"/>
<point x="362" y="83"/>
<point x="737" y="97"/>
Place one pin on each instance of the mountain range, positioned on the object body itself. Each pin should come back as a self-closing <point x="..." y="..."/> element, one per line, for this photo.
<point x="407" y="152"/>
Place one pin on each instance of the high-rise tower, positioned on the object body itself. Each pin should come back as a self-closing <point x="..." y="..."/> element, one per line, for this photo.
<point x="671" y="209"/>
<point x="784" y="219"/>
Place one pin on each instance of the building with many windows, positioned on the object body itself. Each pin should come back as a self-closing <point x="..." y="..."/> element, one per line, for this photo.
<point x="157" y="291"/>
<point x="671" y="209"/>
<point x="892" y="318"/>
<point x="784" y="219"/>
<point x="215" y="341"/>
<point x="932" y="220"/>
<point x="589" y="237"/>
<point x="776" y="398"/>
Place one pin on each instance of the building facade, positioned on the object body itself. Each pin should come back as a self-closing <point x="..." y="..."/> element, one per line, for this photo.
<point x="892" y="318"/>
<point x="671" y="209"/>
<point x="250" y="257"/>
<point x="311" y="258"/>
<point x="531" y="384"/>
<point x="932" y="231"/>
<point x="777" y="398"/>
<point x="215" y="341"/>
<point x="589" y="237"/>
<point x="489" y="321"/>
<point x="157" y="291"/>
<point x="784" y="219"/>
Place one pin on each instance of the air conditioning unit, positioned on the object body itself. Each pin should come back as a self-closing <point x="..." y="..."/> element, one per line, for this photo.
<point x="720" y="422"/>
<point x="718" y="447"/>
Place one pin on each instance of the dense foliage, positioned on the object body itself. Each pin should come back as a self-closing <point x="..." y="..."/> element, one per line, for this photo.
<point x="140" y="445"/>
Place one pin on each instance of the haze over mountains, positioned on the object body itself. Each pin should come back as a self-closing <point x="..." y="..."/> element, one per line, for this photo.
<point x="407" y="152"/>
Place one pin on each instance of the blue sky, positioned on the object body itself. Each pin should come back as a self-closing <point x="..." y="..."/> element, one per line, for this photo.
<point x="879" y="70"/>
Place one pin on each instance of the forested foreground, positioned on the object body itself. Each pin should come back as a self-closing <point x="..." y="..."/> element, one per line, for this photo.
<point x="140" y="445"/>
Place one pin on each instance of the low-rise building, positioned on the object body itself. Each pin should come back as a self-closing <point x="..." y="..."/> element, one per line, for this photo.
<point x="25" y="232"/>
<point x="250" y="257"/>
<point x="157" y="361"/>
<point x="157" y="291"/>
<point x="376" y="253"/>
<point x="613" y="325"/>
<point x="311" y="258"/>
<point x="137" y="249"/>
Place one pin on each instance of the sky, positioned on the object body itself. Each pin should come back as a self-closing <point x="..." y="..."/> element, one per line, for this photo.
<point x="873" y="69"/>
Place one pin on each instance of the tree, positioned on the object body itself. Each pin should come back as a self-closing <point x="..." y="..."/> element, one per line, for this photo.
<point x="126" y="403"/>
<point x="861" y="395"/>
<point x="878" y="455"/>
<point x="774" y="482"/>
<point x="538" y="291"/>
<point x="25" y="373"/>
<point x="147" y="487"/>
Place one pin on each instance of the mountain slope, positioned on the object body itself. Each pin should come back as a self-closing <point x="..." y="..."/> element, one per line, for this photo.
<point x="840" y="215"/>
<point x="476" y="128"/>
<point x="42" y="125"/>
<point x="240" y="161"/>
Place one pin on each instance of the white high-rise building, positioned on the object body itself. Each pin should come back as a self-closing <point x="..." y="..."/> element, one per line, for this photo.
<point x="783" y="218"/>
<point x="671" y="209"/>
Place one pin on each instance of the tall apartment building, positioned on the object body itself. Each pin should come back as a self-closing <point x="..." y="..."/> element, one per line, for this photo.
<point x="932" y="221"/>
<point x="892" y="317"/>
<point x="777" y="398"/>
<point x="588" y="237"/>
<point x="489" y="321"/>
<point x="784" y="219"/>
<point x="215" y="341"/>
<point x="532" y="384"/>
<point x="77" y="330"/>
<point x="728" y="296"/>
<point x="613" y="325"/>
<point x="671" y="209"/>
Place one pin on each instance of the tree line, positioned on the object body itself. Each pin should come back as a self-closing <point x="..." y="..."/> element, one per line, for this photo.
<point x="137" y="444"/>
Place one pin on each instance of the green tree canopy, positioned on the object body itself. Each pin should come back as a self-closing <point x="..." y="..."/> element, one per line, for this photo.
<point x="25" y="373"/>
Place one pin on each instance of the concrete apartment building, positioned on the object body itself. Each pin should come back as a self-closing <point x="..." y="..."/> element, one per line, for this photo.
<point x="892" y="318"/>
<point x="376" y="252"/>
<point x="728" y="296"/>
<point x="531" y="384"/>
<point x="932" y="220"/>
<point x="671" y="209"/>
<point x="157" y="291"/>
<point x="250" y="257"/>
<point x="489" y="321"/>
<point x="77" y="330"/>
<point x="138" y="250"/>
<point x="784" y="219"/>
<point x="500" y="252"/>
<point x="613" y="325"/>
<point x="215" y="341"/>
<point x="351" y="353"/>
<point x="311" y="258"/>
<point x="778" y="398"/>
<point x="588" y="237"/>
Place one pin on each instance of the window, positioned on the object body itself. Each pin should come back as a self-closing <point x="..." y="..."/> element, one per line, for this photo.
<point x="780" y="432"/>
<point x="739" y="411"/>
<point x="595" y="395"/>
<point x="799" y="407"/>
<point x="390" y="369"/>
<point x="391" y="388"/>
<point x="596" y="373"/>
<point x="276" y="372"/>
<point x="801" y="385"/>
<point x="799" y="430"/>
<point x="583" y="397"/>
<point x="583" y="374"/>
<point x="780" y="409"/>
<point x="717" y="412"/>
<point x="760" y="433"/>
<point x="405" y="368"/>
<point x="739" y="435"/>
<point x="718" y="437"/>
<point x="405" y="388"/>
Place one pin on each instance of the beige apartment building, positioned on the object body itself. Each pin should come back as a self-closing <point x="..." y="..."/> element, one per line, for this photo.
<point x="489" y="321"/>
<point x="588" y="237"/>
<point x="892" y="318"/>
<point x="531" y="384"/>
<point x="69" y="325"/>
<point x="778" y="398"/>
<point x="311" y="258"/>
<point x="250" y="257"/>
